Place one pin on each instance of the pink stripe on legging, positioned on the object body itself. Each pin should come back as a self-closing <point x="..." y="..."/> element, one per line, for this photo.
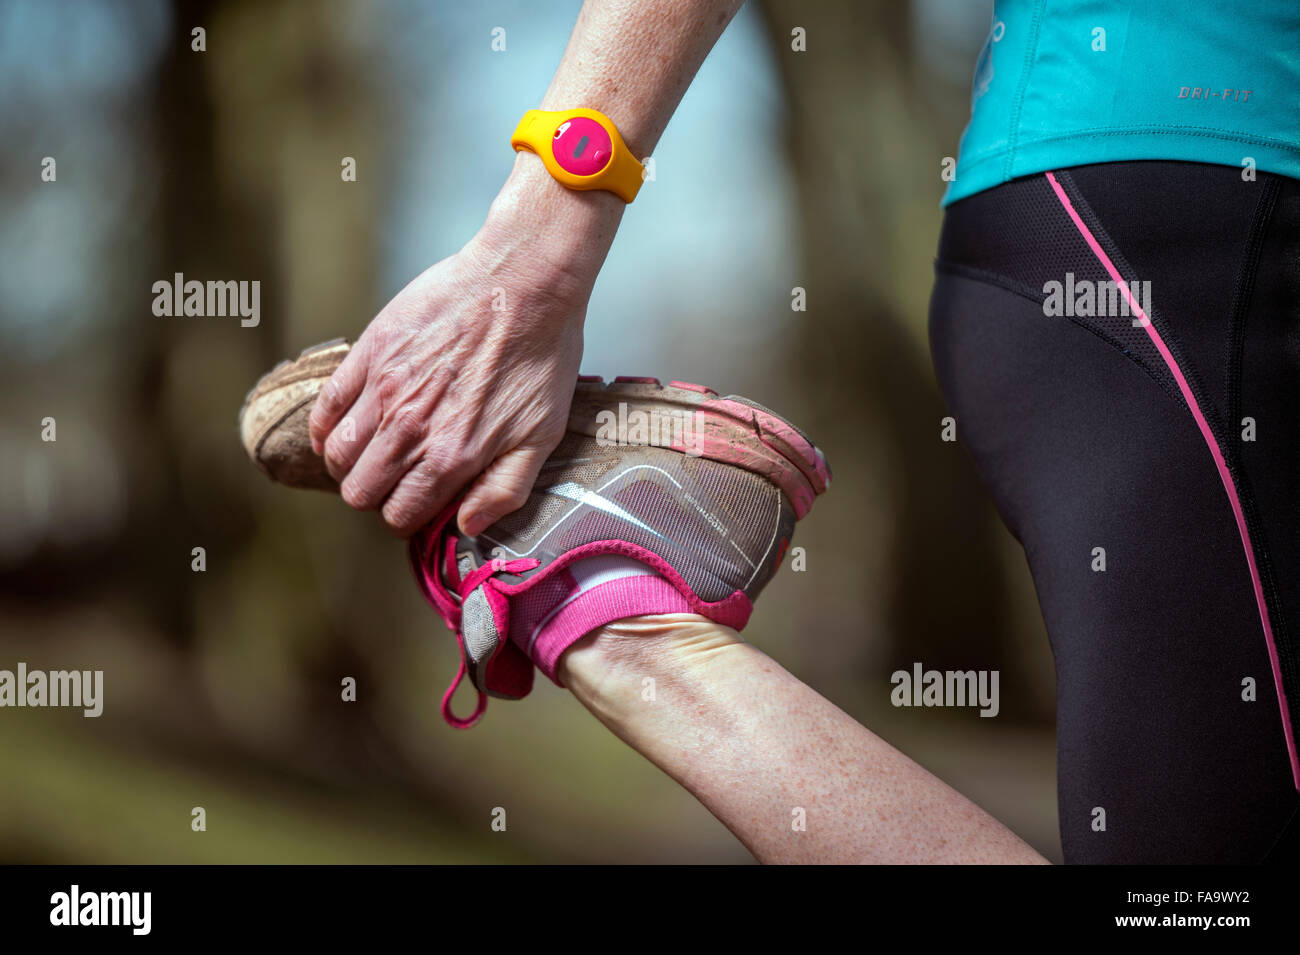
<point x="1220" y="463"/>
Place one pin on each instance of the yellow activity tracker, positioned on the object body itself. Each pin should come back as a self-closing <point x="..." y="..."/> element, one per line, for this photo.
<point x="582" y="149"/>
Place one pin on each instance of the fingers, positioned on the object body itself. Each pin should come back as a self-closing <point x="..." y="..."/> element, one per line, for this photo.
<point x="338" y="395"/>
<point x="415" y="486"/>
<point x="350" y="438"/>
<point x="423" y="492"/>
<point x="502" y="489"/>
<point x="391" y="448"/>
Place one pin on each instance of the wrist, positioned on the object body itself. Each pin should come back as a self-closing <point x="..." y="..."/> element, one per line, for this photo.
<point x="569" y="229"/>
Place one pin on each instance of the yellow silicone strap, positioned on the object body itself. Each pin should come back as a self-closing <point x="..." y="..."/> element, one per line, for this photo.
<point x="622" y="176"/>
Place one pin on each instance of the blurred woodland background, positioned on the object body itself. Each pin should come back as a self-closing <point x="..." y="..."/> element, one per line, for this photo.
<point x="222" y="688"/>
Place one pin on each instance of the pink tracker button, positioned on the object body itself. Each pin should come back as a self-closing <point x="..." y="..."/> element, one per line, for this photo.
<point x="581" y="146"/>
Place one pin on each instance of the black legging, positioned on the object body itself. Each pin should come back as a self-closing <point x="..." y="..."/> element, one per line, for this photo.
<point x="1171" y="454"/>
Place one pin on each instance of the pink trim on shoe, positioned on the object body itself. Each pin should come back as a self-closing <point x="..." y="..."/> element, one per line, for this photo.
<point x="732" y="611"/>
<point x="508" y="673"/>
<point x="634" y="596"/>
<point x="799" y="468"/>
<point x="687" y="386"/>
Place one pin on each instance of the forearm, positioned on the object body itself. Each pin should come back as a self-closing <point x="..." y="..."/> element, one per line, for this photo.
<point x="632" y="60"/>
<point x="464" y="380"/>
<point x="764" y="752"/>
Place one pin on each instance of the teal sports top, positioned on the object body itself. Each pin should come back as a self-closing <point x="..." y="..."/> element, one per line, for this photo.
<point x="1068" y="82"/>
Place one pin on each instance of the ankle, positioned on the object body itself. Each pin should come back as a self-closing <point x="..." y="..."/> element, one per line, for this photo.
<point x="628" y="658"/>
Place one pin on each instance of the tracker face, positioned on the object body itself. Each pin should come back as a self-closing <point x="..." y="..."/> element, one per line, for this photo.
<point x="581" y="146"/>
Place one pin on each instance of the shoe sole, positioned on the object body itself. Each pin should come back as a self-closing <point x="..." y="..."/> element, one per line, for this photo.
<point x="626" y="411"/>
<point x="729" y="429"/>
<point x="273" y="422"/>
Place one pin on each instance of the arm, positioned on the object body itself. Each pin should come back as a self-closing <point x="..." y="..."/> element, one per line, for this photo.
<point x="442" y="391"/>
<point x="752" y="743"/>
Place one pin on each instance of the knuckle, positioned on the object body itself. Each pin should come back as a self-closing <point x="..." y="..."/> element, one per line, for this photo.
<point x="516" y="496"/>
<point x="389" y="383"/>
<point x="502" y="495"/>
<point x="407" y="424"/>
<point x="336" y="455"/>
<point x="399" y="516"/>
<point x="329" y="399"/>
<point x="355" y="495"/>
<point x="325" y="401"/>
<point x="446" y="456"/>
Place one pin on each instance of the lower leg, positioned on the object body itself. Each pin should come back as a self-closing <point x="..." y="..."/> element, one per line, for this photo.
<point x="764" y="752"/>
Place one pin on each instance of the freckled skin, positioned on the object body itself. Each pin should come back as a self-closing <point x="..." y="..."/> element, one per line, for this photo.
<point x="752" y="743"/>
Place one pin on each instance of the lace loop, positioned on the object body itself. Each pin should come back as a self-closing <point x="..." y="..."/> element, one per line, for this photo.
<point x="446" y="591"/>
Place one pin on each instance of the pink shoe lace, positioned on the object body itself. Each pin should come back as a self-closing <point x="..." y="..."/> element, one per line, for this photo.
<point x="446" y="590"/>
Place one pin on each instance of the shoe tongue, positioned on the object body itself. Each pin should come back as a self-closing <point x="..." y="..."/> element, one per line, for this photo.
<point x="477" y="624"/>
<point x="494" y="665"/>
<point x="478" y="628"/>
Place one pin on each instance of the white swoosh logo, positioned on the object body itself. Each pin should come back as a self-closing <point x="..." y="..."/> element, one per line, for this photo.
<point x="616" y="477"/>
<point x="580" y="495"/>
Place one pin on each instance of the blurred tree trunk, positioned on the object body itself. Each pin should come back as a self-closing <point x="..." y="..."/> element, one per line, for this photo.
<point x="189" y="224"/>
<point x="861" y="154"/>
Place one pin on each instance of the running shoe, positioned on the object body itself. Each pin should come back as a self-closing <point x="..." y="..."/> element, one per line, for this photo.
<point x="659" y="499"/>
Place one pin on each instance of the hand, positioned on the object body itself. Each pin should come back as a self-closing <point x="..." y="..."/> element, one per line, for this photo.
<point x="466" y="377"/>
